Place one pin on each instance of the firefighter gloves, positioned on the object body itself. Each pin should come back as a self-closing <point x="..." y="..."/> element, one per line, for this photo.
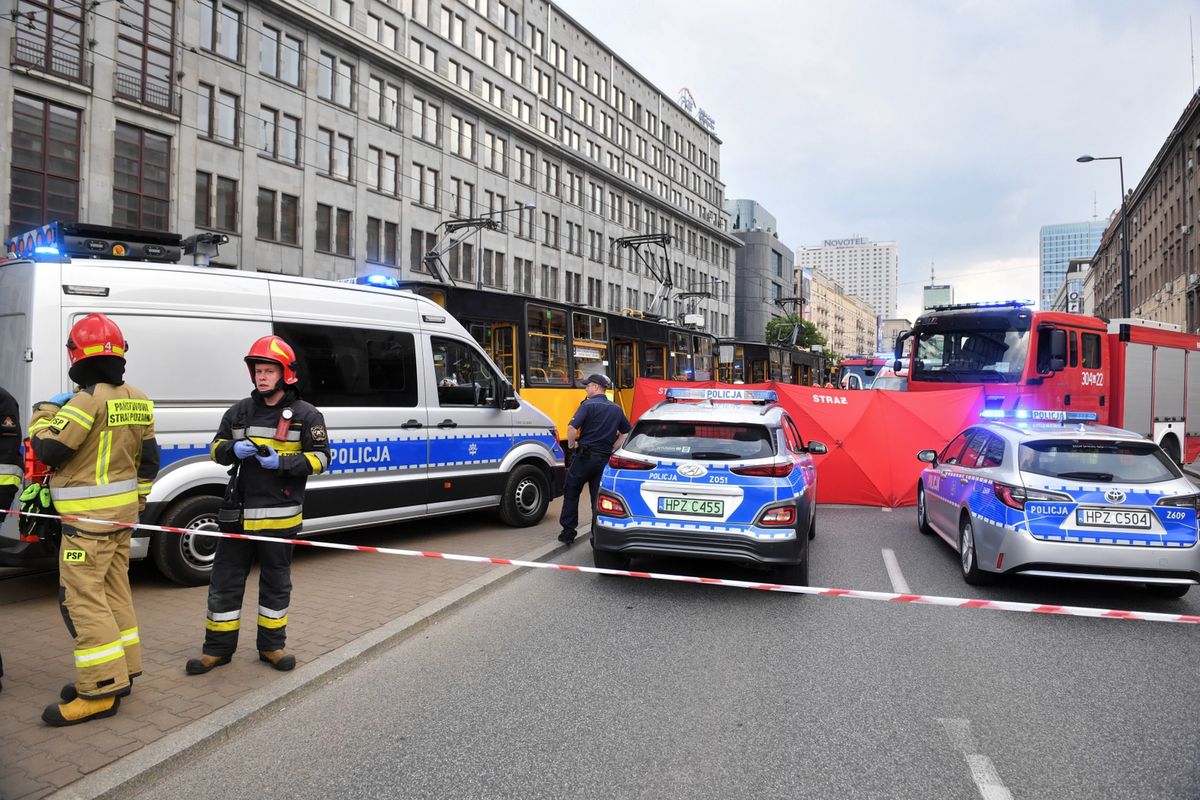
<point x="270" y="460"/>
<point x="244" y="448"/>
<point x="62" y="398"/>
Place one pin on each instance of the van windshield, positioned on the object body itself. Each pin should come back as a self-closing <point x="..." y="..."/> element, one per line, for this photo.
<point x="1095" y="461"/>
<point x="700" y="441"/>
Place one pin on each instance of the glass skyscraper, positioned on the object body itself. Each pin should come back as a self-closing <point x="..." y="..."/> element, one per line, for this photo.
<point x="1061" y="243"/>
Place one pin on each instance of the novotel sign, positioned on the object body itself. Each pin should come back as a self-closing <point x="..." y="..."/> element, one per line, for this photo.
<point x="844" y="242"/>
<point x="688" y="103"/>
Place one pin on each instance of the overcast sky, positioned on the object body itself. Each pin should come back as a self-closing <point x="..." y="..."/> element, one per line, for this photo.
<point x="950" y="128"/>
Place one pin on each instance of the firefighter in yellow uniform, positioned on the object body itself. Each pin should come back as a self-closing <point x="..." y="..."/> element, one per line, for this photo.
<point x="100" y="444"/>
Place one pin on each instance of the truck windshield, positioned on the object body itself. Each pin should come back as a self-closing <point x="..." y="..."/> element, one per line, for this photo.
<point x="974" y="354"/>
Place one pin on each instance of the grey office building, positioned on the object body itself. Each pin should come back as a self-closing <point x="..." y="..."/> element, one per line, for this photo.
<point x="331" y="138"/>
<point x="763" y="271"/>
<point x="1060" y="244"/>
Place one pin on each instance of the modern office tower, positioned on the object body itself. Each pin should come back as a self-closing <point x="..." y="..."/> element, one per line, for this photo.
<point x="936" y="294"/>
<point x="764" y="279"/>
<point x="1060" y="244"/>
<point x="332" y="138"/>
<point x="864" y="268"/>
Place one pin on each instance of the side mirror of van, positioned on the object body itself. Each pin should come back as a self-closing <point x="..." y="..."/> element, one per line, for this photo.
<point x="508" y="397"/>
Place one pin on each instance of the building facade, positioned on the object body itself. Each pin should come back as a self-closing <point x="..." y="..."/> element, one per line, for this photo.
<point x="846" y="321"/>
<point x="764" y="276"/>
<point x="1069" y="297"/>
<point x="865" y="268"/>
<point x="331" y="138"/>
<point x="889" y="330"/>
<point x="1058" y="245"/>
<point x="936" y="294"/>
<point x="1164" y="209"/>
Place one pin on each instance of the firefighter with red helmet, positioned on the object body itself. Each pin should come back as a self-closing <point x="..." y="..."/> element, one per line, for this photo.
<point x="273" y="441"/>
<point x="100" y="444"/>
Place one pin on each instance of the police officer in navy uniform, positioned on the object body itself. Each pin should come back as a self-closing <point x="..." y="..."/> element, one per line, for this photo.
<point x="597" y="429"/>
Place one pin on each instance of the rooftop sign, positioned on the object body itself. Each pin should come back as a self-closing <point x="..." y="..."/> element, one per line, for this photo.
<point x="688" y="103"/>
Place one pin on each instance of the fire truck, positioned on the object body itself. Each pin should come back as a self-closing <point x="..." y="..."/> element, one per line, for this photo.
<point x="1135" y="374"/>
<point x="859" y="371"/>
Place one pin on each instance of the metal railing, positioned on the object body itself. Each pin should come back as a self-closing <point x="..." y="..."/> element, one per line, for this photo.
<point x="58" y="61"/>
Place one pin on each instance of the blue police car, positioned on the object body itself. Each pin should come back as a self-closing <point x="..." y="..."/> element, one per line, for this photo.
<point x="711" y="473"/>
<point x="1037" y="494"/>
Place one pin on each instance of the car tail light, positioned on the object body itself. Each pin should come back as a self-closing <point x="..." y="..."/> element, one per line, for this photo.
<point x="1017" y="496"/>
<point x="766" y="470"/>
<point x="780" y="516"/>
<point x="611" y="506"/>
<point x="621" y="462"/>
<point x="1181" y="501"/>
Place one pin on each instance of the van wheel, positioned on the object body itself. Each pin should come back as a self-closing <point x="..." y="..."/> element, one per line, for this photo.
<point x="1170" y="446"/>
<point x="185" y="558"/>
<point x="526" y="496"/>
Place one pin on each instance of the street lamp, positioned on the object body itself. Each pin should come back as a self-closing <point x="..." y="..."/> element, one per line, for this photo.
<point x="1124" y="229"/>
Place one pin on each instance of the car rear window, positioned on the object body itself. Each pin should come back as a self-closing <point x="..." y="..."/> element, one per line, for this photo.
<point x="700" y="441"/>
<point x="1098" y="461"/>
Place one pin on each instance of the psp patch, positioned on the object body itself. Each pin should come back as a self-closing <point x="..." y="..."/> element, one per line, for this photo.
<point x="75" y="556"/>
<point x="318" y="434"/>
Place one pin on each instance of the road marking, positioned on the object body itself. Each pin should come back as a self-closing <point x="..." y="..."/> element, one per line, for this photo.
<point x="899" y="585"/>
<point x="983" y="771"/>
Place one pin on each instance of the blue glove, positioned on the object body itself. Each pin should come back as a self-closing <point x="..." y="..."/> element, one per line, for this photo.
<point x="244" y="448"/>
<point x="62" y="398"/>
<point x="270" y="460"/>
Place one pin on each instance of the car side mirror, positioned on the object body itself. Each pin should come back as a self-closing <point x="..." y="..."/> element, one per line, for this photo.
<point x="816" y="449"/>
<point x="928" y="456"/>
<point x="897" y="365"/>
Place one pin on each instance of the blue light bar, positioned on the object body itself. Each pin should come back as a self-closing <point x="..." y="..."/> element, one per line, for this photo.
<point x="1036" y="414"/>
<point x="46" y="250"/>
<point x="727" y="395"/>
<point x="380" y="281"/>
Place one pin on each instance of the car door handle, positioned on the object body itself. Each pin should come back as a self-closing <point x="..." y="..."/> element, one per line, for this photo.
<point x="447" y="423"/>
<point x="412" y="423"/>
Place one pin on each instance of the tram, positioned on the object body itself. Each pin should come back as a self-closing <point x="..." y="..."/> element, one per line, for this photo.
<point x="547" y="349"/>
<point x="756" y="362"/>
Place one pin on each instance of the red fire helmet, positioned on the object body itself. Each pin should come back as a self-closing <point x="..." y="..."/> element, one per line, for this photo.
<point x="276" y="351"/>
<point x="95" y="335"/>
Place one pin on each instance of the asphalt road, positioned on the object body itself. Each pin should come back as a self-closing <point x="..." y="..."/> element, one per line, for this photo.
<point x="573" y="685"/>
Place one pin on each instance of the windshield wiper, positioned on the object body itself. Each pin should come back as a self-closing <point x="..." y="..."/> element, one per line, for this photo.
<point x="1094" y="476"/>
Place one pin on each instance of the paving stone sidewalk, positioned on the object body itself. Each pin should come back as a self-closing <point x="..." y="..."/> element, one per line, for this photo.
<point x="338" y="596"/>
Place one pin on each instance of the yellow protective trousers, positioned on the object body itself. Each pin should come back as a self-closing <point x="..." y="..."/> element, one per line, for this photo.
<point x="97" y="605"/>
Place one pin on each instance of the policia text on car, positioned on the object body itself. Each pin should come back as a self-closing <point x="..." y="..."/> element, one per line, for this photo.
<point x="100" y="443"/>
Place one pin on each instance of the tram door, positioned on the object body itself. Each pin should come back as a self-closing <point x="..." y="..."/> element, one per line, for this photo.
<point x="499" y="341"/>
<point x="624" y="373"/>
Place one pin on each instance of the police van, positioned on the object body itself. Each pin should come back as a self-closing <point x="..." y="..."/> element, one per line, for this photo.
<point x="421" y="422"/>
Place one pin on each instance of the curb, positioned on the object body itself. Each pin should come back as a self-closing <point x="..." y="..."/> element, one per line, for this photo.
<point x="123" y="776"/>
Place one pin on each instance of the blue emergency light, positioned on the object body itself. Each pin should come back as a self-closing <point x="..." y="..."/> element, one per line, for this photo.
<point x="380" y="281"/>
<point x="724" y="395"/>
<point x="1038" y="414"/>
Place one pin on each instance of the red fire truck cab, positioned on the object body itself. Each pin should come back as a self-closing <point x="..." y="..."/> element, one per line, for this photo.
<point x="1135" y="374"/>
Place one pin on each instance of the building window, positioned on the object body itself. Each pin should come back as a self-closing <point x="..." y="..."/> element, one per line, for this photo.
<point x="424" y="186"/>
<point x="145" y="34"/>
<point x="45" y="164"/>
<point x="280" y="55"/>
<point x="462" y="138"/>
<point x="335" y="80"/>
<point x="220" y="30"/>
<point x="427" y="119"/>
<point x="279" y="135"/>
<point x="141" y="178"/>
<point x="49" y="37"/>
<point x="334" y="154"/>
<point x="216" y="202"/>
<point x="492" y="269"/>
<point x="333" y="230"/>
<point x="278" y="216"/>
<point x="495" y="153"/>
<point x="383" y="102"/>
<point x="382" y="245"/>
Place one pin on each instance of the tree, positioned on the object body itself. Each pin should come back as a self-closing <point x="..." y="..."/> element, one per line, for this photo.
<point x="793" y="330"/>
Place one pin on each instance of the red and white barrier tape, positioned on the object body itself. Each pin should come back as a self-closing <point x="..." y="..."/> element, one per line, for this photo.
<point x="891" y="597"/>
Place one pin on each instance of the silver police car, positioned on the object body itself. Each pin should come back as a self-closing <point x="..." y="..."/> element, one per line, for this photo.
<point x="1041" y="495"/>
<point x="719" y="478"/>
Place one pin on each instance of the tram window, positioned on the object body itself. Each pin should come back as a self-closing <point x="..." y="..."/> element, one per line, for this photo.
<point x="546" y="339"/>
<point x="590" y="345"/>
<point x="679" y="363"/>
<point x="652" y="361"/>
<point x="702" y="362"/>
